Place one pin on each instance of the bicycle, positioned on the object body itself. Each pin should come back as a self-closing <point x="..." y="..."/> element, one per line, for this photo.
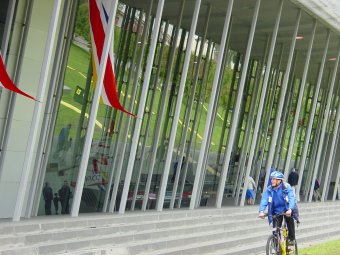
<point x="277" y="243"/>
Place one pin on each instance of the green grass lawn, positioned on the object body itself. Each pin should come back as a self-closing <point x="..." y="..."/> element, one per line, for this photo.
<point x="328" y="248"/>
<point x="77" y="68"/>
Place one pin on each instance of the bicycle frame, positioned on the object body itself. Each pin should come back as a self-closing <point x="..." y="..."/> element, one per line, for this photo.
<point x="280" y="233"/>
<point x="282" y="241"/>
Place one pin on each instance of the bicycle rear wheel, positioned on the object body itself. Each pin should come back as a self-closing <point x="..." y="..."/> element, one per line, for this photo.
<point x="292" y="249"/>
<point x="272" y="247"/>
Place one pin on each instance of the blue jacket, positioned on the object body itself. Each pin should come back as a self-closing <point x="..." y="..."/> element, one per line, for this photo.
<point x="279" y="200"/>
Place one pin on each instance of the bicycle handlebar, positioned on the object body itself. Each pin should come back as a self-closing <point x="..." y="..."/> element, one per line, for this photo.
<point x="276" y="215"/>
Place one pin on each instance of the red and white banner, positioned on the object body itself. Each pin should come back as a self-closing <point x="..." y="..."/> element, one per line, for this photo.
<point x="98" y="11"/>
<point x="6" y="82"/>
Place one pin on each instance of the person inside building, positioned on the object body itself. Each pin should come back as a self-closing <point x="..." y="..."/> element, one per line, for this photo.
<point x="63" y="138"/>
<point x="56" y="203"/>
<point x="48" y="197"/>
<point x="293" y="179"/>
<point x="316" y="192"/>
<point x="64" y="198"/>
<point x="251" y="187"/>
<point x="279" y="198"/>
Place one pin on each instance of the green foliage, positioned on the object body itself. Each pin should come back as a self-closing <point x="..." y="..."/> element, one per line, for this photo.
<point x="82" y="27"/>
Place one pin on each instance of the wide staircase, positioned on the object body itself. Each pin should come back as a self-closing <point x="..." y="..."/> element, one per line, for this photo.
<point x="230" y="230"/>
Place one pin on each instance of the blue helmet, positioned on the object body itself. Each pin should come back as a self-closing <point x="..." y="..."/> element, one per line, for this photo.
<point x="276" y="175"/>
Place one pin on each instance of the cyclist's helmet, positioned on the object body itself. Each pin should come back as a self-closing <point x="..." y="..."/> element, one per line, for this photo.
<point x="276" y="175"/>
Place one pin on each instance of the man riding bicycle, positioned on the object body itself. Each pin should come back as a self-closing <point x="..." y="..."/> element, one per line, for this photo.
<point x="279" y="197"/>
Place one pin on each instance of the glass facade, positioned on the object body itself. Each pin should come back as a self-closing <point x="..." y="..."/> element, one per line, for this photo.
<point x="262" y="115"/>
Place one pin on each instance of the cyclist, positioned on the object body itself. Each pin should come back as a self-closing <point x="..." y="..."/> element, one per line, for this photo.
<point x="279" y="197"/>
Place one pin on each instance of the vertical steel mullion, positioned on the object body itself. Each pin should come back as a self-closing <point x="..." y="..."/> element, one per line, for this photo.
<point x="286" y="110"/>
<point x="250" y="121"/>
<point x="281" y="100"/>
<point x="121" y="43"/>
<point x="147" y="129"/>
<point x="328" y="132"/>
<point x="172" y="93"/>
<point x="242" y="112"/>
<point x="112" y="112"/>
<point x="212" y="98"/>
<point x="262" y="98"/>
<point x="109" y="110"/>
<point x="212" y="123"/>
<point x="124" y="134"/>
<point x="299" y="103"/>
<point x="312" y="113"/>
<point x="122" y="67"/>
<point x="202" y="99"/>
<point x="189" y="107"/>
<point x="164" y="180"/>
<point x="313" y="145"/>
<point x="238" y="102"/>
<point x="38" y="108"/>
<point x="57" y="97"/>
<point x="324" y="155"/>
<point x="284" y="117"/>
<point x="259" y="140"/>
<point x="141" y="107"/>
<point x="195" y="122"/>
<point x="116" y="166"/>
<point x="336" y="136"/>
<point x="323" y="130"/>
<point x="248" y="129"/>
<point x="226" y="114"/>
<point x="161" y="110"/>
<point x="187" y="110"/>
<point x="120" y="129"/>
<point x="337" y="126"/>
<point x="224" y="64"/>
<point x="122" y="40"/>
<point x="38" y="172"/>
<point x="332" y="155"/>
<point x="88" y="86"/>
<point x="266" y="123"/>
<point x="302" y="126"/>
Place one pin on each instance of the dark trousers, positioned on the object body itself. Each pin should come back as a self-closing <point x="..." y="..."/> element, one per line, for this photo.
<point x="56" y="207"/>
<point x="48" y="204"/>
<point x="290" y="225"/>
<point x="64" y="206"/>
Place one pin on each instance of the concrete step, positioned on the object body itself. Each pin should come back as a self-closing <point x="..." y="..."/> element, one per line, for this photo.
<point x="56" y="223"/>
<point x="202" y="247"/>
<point x="180" y="231"/>
<point x="199" y="242"/>
<point x="258" y="248"/>
<point x="144" y="230"/>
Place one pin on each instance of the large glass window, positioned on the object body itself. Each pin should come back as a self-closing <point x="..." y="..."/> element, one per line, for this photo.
<point x="3" y="15"/>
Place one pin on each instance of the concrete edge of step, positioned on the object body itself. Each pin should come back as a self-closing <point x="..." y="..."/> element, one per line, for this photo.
<point x="105" y="222"/>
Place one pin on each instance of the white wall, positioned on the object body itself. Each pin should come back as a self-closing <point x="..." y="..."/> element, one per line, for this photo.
<point x="23" y="109"/>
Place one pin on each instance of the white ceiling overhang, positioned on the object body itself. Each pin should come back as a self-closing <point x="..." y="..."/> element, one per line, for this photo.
<point x="327" y="18"/>
<point x="327" y="11"/>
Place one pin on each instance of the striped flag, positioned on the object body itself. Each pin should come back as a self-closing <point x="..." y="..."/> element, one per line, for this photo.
<point x="6" y="82"/>
<point x="98" y="11"/>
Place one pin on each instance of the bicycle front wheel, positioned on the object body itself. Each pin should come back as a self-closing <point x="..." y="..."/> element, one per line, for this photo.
<point x="273" y="247"/>
<point x="292" y="249"/>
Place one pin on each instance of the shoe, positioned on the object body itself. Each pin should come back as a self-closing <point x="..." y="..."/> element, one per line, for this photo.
<point x="291" y="242"/>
